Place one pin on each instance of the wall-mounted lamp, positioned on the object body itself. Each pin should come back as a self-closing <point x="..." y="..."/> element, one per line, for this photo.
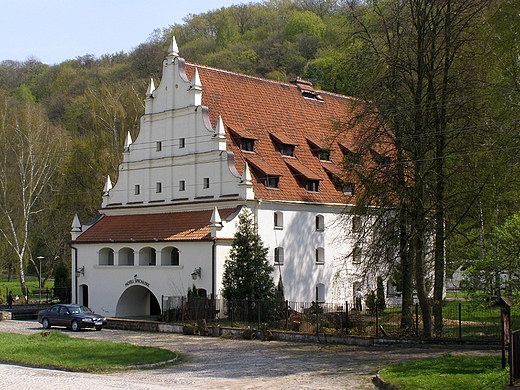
<point x="196" y="273"/>
<point x="80" y="271"/>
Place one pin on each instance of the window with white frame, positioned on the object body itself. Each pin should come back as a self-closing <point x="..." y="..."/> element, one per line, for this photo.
<point x="356" y="255"/>
<point x="278" y="255"/>
<point x="137" y="189"/>
<point x="357" y="225"/>
<point x="278" y="220"/>
<point x="158" y="187"/>
<point x="205" y="183"/>
<point x="182" y="185"/>
<point x="320" y="293"/>
<point x="320" y="223"/>
<point x="320" y="255"/>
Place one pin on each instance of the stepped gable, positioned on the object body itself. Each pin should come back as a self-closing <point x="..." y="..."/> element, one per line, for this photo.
<point x="181" y="226"/>
<point x="271" y="114"/>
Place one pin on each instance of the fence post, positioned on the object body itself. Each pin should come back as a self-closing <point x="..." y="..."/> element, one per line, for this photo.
<point x="377" y="321"/>
<point x="417" y="319"/>
<point x="346" y="317"/>
<point x="460" y="320"/>
<point x="286" y="314"/>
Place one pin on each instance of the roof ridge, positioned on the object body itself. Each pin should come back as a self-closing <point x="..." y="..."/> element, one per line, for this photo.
<point x="267" y="80"/>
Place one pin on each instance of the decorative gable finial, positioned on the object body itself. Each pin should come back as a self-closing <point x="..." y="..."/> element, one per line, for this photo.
<point x="220" y="129"/>
<point x="195" y="80"/>
<point x="76" y="224"/>
<point x="173" y="50"/>
<point x="151" y="88"/>
<point x="108" y="186"/>
<point x="246" y="175"/>
<point x="128" y="142"/>
<point x="215" y="218"/>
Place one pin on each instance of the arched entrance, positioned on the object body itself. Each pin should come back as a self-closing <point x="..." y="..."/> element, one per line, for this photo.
<point x="137" y="301"/>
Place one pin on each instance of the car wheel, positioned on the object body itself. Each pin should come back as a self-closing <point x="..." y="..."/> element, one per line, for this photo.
<point x="46" y="324"/>
<point x="98" y="328"/>
<point x="75" y="326"/>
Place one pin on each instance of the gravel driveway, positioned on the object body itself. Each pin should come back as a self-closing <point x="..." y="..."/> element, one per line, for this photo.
<point x="217" y="363"/>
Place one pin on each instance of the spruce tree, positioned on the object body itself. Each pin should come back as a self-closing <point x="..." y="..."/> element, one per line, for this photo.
<point x="247" y="272"/>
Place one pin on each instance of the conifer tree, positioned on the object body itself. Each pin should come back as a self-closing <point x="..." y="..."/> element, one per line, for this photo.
<point x="247" y="272"/>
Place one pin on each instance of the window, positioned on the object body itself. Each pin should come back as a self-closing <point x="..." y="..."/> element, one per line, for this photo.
<point x="348" y="189"/>
<point x="137" y="189"/>
<point x="147" y="256"/>
<point x="288" y="150"/>
<point x="106" y="256"/>
<point x="126" y="256"/>
<point x="324" y="154"/>
<point x="182" y="185"/>
<point x="182" y="143"/>
<point x="278" y="255"/>
<point x="247" y="144"/>
<point x="356" y="224"/>
<point x="278" y="220"/>
<point x="206" y="183"/>
<point x="320" y="293"/>
<point x="271" y="181"/>
<point x="356" y="255"/>
<point x="320" y="223"/>
<point x="158" y="146"/>
<point x="312" y="185"/>
<point x="320" y="255"/>
<point x="158" y="187"/>
<point x="175" y="257"/>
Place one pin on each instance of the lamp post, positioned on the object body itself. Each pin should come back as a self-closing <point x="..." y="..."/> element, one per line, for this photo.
<point x="40" y="277"/>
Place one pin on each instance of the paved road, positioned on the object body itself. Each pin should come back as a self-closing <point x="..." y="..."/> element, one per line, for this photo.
<point x="217" y="363"/>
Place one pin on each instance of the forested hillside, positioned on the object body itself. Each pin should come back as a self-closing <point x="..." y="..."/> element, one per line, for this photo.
<point x="447" y="75"/>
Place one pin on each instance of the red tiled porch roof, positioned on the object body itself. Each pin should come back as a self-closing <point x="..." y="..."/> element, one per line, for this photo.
<point x="182" y="226"/>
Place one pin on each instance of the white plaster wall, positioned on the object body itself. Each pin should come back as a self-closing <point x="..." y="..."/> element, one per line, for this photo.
<point x="299" y="238"/>
<point x="107" y="283"/>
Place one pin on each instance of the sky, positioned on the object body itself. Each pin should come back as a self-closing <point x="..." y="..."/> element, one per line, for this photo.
<point x="57" y="30"/>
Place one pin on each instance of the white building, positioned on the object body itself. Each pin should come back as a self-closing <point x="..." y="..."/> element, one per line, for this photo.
<point x="212" y="142"/>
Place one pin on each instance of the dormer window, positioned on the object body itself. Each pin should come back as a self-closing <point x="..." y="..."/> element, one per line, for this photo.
<point x="288" y="150"/>
<point x="247" y="144"/>
<point x="272" y="181"/>
<point x="348" y="189"/>
<point x="324" y="154"/>
<point x="312" y="185"/>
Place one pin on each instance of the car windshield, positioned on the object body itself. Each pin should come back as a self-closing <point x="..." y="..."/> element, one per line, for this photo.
<point x="80" y="309"/>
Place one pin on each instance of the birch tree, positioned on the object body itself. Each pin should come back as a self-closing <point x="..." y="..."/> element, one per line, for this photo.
<point x="31" y="149"/>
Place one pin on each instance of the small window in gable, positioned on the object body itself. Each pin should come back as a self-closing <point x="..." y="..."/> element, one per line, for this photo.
<point x="278" y="255"/>
<point x="137" y="189"/>
<point x="320" y="223"/>
<point x="158" y="146"/>
<point x="320" y="255"/>
<point x="182" y="185"/>
<point x="158" y="187"/>
<point x="247" y="144"/>
<point x="272" y="181"/>
<point x="278" y="220"/>
<point x="312" y="185"/>
<point x="206" y="182"/>
<point x="182" y="143"/>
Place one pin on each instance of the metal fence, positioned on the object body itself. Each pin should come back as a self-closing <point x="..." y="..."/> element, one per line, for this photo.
<point x="44" y="295"/>
<point x="461" y="319"/>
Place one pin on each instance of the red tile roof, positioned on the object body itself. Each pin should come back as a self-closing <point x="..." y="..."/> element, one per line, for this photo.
<point x="263" y="109"/>
<point x="191" y="226"/>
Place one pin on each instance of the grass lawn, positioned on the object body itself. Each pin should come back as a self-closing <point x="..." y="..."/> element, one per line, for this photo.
<point x="58" y="350"/>
<point x="448" y="372"/>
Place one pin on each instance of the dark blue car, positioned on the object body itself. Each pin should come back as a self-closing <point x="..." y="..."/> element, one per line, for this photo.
<point x="75" y="317"/>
